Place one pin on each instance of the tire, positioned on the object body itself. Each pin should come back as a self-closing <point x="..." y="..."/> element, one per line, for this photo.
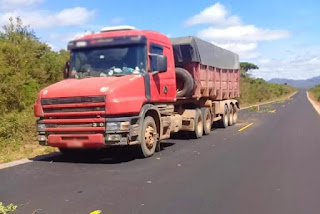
<point x="235" y="114"/>
<point x="224" y="122"/>
<point x="230" y="118"/>
<point x="207" y="120"/>
<point x="198" y="125"/>
<point x="149" y="137"/>
<point x="185" y="81"/>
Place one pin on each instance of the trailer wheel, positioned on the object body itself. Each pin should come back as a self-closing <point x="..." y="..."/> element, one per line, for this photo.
<point x="230" y="115"/>
<point x="207" y="120"/>
<point x="198" y="125"/>
<point x="235" y="114"/>
<point x="223" y="123"/>
<point x="184" y="82"/>
<point x="149" y="137"/>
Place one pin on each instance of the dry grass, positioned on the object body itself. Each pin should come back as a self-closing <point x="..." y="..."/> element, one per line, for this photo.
<point x="28" y="150"/>
<point x="313" y="101"/>
<point x="281" y="99"/>
<point x="18" y="137"/>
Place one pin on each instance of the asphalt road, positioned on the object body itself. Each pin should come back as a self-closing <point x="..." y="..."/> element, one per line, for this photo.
<point x="272" y="167"/>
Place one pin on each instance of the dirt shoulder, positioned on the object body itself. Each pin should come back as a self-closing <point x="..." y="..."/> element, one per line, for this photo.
<point x="280" y="99"/>
<point x="314" y="103"/>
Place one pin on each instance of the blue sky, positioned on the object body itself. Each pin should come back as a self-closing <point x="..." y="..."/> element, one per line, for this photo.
<point x="281" y="37"/>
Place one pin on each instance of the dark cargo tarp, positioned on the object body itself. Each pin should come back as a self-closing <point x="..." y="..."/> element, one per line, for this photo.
<point x="193" y="49"/>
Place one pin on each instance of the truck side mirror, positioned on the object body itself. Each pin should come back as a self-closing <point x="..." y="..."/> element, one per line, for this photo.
<point x="66" y="70"/>
<point x="158" y="63"/>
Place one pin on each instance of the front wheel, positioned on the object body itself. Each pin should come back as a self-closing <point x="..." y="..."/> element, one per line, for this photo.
<point x="149" y="137"/>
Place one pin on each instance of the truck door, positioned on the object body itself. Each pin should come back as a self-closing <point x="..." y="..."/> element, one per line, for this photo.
<point x="162" y="85"/>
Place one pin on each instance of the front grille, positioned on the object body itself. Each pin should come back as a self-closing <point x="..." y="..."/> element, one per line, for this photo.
<point x="68" y="100"/>
<point x="74" y="114"/>
<point x="74" y="109"/>
<point x="73" y="125"/>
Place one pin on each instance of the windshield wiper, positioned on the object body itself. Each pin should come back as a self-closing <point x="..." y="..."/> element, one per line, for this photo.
<point x="118" y="75"/>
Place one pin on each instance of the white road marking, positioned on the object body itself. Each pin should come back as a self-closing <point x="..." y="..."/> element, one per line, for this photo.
<point x="15" y="163"/>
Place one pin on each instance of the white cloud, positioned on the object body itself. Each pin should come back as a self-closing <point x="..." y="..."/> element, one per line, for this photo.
<point x="242" y="33"/>
<point x="247" y="49"/>
<point x="215" y="15"/>
<point x="52" y="46"/>
<point x="18" y="4"/>
<point x="73" y="16"/>
<point x="43" y="19"/>
<point x="315" y="61"/>
<point x="264" y="61"/>
<point x="228" y="31"/>
<point x="300" y="66"/>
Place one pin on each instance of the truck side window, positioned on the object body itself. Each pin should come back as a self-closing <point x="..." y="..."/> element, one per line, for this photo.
<point x="155" y="49"/>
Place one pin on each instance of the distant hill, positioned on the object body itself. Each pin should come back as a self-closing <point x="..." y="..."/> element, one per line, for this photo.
<point x="303" y="84"/>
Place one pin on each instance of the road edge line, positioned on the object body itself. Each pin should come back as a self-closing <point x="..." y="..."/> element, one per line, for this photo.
<point x="15" y="163"/>
<point x="313" y="103"/>
<point x="261" y="104"/>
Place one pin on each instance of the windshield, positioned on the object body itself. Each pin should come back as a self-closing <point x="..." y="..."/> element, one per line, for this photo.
<point x="108" y="61"/>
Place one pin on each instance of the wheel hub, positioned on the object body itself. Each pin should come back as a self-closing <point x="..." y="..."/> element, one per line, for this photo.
<point x="149" y="137"/>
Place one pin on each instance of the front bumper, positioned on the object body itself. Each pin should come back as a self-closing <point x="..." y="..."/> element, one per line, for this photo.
<point x="76" y="140"/>
<point x="88" y="137"/>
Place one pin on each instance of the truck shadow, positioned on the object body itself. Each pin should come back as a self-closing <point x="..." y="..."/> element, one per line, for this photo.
<point x="112" y="155"/>
<point x="185" y="136"/>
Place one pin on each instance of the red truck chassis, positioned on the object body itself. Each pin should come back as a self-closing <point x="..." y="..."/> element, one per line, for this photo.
<point x="142" y="107"/>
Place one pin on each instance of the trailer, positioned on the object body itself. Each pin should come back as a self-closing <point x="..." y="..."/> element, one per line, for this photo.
<point x="128" y="87"/>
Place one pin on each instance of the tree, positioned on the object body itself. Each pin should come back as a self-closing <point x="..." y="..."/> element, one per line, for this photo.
<point x="245" y="67"/>
<point x="26" y="65"/>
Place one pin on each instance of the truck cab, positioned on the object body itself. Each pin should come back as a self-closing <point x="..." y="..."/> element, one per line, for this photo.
<point x="110" y="77"/>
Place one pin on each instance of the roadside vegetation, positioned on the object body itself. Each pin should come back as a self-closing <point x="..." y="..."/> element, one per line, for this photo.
<point x="7" y="209"/>
<point x="255" y="91"/>
<point x="27" y="65"/>
<point x="315" y="93"/>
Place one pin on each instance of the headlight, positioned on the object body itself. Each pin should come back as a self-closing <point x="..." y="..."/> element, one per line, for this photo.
<point x="124" y="126"/>
<point x="42" y="138"/>
<point x="118" y="126"/>
<point x="113" y="137"/>
<point x="113" y="126"/>
<point x="41" y="127"/>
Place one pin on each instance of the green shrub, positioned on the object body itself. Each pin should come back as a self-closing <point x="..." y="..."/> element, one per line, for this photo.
<point x="315" y="91"/>
<point x="26" y="66"/>
<point x="6" y="209"/>
<point x="258" y="90"/>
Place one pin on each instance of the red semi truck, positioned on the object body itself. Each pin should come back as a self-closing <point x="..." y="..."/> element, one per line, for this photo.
<point x="135" y="87"/>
